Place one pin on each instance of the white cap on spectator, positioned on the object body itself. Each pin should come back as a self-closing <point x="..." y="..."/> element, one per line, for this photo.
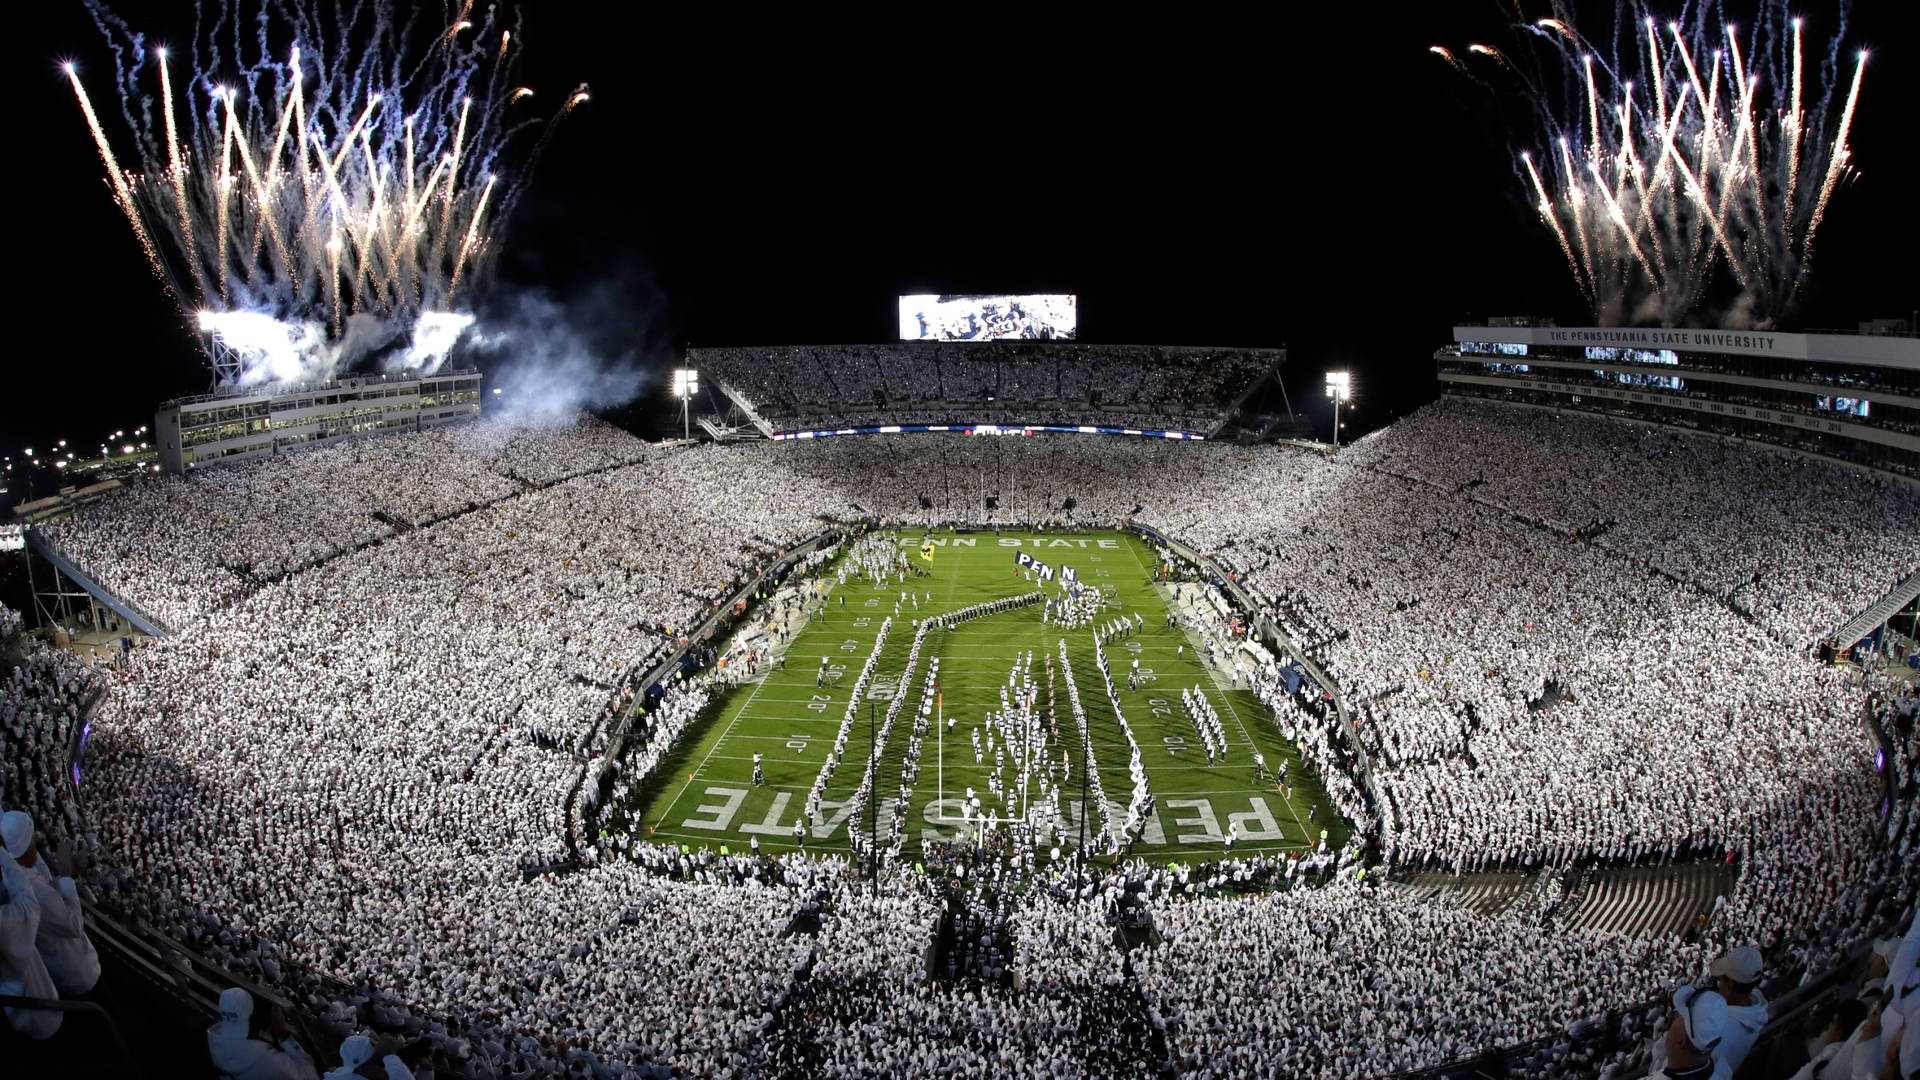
<point x="16" y="832"/>
<point x="236" y="1006"/>
<point x="1742" y="964"/>
<point x="356" y="1051"/>
<point x="1704" y="1015"/>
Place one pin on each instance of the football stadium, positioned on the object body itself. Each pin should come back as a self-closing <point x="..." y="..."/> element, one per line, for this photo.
<point x="461" y="679"/>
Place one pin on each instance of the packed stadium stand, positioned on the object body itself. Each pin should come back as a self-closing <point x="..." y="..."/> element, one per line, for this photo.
<point x="1564" y="681"/>
<point x="996" y="382"/>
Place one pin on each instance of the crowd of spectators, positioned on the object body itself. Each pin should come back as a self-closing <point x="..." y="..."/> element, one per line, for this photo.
<point x="1797" y="545"/>
<point x="181" y="546"/>
<point x="1873" y="1029"/>
<point x="1328" y="981"/>
<point x="339" y="773"/>
<point x="836" y="386"/>
<point x="43" y="704"/>
<point x="44" y="948"/>
<point x="1807" y="437"/>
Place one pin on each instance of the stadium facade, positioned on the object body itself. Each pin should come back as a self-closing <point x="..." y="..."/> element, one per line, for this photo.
<point x="1850" y="398"/>
<point x="231" y="427"/>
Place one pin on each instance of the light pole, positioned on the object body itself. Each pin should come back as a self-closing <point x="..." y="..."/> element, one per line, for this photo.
<point x="1340" y="389"/>
<point x="686" y="383"/>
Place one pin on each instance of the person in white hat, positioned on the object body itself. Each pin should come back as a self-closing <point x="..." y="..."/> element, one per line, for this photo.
<point x="62" y="936"/>
<point x="356" y="1052"/>
<point x="1736" y="975"/>
<point x="241" y="1052"/>
<point x="1693" y="1033"/>
<point x="22" y="972"/>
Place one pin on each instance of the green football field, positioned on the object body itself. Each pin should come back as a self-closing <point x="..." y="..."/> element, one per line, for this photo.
<point x="704" y="794"/>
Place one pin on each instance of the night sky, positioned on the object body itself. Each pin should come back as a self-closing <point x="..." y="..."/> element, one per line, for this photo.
<point x="1319" y="182"/>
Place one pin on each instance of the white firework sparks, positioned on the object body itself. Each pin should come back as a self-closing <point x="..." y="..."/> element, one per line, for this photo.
<point x="1670" y="186"/>
<point x="348" y="186"/>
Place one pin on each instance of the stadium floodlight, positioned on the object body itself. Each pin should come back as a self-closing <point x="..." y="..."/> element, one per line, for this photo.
<point x="686" y="383"/>
<point x="1340" y="389"/>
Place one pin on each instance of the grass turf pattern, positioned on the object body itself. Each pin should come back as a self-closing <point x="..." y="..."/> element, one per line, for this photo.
<point x="703" y="794"/>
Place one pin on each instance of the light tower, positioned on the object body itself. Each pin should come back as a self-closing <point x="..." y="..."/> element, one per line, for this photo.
<point x="1340" y="389"/>
<point x="686" y="383"/>
<point x="228" y="361"/>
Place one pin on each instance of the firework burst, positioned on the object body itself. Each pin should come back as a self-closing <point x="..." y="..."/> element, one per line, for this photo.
<point x="1685" y="152"/>
<point x="338" y="170"/>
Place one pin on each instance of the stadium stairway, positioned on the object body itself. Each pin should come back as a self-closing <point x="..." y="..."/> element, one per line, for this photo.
<point x="1272" y="372"/>
<point x="1649" y="901"/>
<point x="740" y="401"/>
<point x="720" y="432"/>
<point x="1876" y="614"/>
<point x="1488" y="894"/>
<point x="1644" y="901"/>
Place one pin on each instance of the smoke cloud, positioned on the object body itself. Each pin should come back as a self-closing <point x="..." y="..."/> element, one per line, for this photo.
<point x="548" y="357"/>
<point x="270" y="353"/>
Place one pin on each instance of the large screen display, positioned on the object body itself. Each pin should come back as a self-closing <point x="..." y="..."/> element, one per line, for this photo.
<point x="1046" y="317"/>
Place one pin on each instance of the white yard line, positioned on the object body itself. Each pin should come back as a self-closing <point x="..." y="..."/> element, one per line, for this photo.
<point x="715" y="748"/>
<point x="1228" y="700"/>
<point x="1212" y="674"/>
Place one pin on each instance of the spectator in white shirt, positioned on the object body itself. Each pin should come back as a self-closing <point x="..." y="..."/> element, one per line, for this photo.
<point x="1694" y="1032"/>
<point x="22" y="972"/>
<point x="62" y="937"/>
<point x="243" y="1052"/>
<point x="1736" y="975"/>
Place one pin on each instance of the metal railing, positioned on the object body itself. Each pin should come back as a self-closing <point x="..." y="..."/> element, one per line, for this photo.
<point x="85" y="1008"/>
